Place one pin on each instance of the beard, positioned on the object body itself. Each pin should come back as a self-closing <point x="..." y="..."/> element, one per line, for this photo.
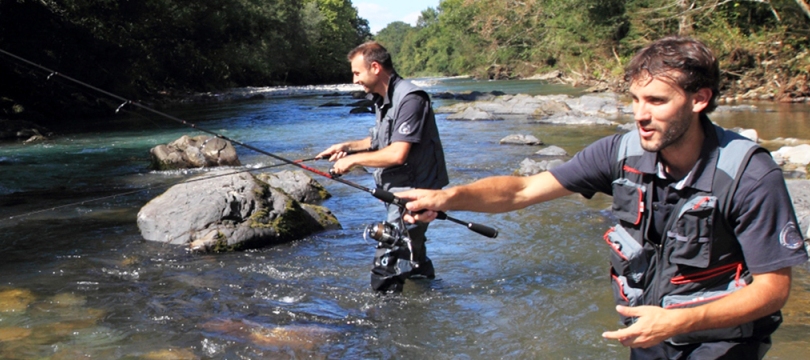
<point x="678" y="126"/>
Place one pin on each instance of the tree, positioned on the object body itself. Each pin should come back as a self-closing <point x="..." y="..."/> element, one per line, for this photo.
<point x="392" y="37"/>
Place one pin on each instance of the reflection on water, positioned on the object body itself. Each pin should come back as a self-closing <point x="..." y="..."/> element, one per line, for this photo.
<point x="81" y="282"/>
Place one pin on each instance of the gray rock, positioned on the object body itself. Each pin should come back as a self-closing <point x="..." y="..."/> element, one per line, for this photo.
<point x="800" y="194"/>
<point x="296" y="183"/>
<point x="530" y="167"/>
<point x="570" y="119"/>
<point x="552" y="150"/>
<point x="229" y="213"/>
<point x="193" y="152"/>
<point x="736" y="108"/>
<point x="471" y="114"/>
<point x="520" y="139"/>
<point x="596" y="104"/>
<point x="627" y="127"/>
<point x="552" y="75"/>
<point x="798" y="155"/>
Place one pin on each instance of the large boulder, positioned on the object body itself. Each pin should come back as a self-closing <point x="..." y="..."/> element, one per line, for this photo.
<point x="229" y="212"/>
<point x="194" y="152"/>
<point x="296" y="183"/>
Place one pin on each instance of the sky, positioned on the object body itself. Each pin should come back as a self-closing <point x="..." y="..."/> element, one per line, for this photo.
<point x="380" y="13"/>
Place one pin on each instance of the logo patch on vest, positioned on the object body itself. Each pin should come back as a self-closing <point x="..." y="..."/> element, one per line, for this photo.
<point x="404" y="129"/>
<point x="790" y="237"/>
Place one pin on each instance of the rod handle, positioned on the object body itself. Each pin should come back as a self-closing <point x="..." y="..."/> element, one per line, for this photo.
<point x="389" y="197"/>
<point x="475" y="227"/>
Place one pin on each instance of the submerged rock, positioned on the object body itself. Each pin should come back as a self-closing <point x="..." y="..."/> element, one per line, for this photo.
<point x="227" y="213"/>
<point x="15" y="300"/>
<point x="170" y="354"/>
<point x="294" y="337"/>
<point x="14" y="333"/>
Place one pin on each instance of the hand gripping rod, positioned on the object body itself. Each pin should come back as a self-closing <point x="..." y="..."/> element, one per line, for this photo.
<point x="383" y="195"/>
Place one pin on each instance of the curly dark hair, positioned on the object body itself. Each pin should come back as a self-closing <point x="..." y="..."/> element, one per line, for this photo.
<point x="686" y="62"/>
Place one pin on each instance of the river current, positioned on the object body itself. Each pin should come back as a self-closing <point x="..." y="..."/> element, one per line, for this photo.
<point x="80" y="282"/>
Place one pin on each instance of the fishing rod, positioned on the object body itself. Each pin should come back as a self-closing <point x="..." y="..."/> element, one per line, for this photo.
<point x="77" y="203"/>
<point x="378" y="193"/>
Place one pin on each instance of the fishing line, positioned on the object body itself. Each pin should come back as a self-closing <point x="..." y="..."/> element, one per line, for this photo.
<point x="82" y="202"/>
<point x="378" y="193"/>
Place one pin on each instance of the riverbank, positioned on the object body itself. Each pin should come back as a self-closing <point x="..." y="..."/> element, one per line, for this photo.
<point x="752" y="86"/>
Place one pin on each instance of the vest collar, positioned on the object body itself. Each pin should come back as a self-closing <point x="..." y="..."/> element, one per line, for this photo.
<point x="701" y="176"/>
<point x="386" y="100"/>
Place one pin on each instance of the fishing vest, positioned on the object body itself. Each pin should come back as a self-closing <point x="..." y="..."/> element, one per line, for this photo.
<point x="425" y="166"/>
<point x="698" y="259"/>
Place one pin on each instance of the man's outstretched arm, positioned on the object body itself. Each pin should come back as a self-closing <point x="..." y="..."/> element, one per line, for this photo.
<point x="493" y="195"/>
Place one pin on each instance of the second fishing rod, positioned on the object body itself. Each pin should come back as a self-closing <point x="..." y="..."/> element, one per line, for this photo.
<point x="378" y="193"/>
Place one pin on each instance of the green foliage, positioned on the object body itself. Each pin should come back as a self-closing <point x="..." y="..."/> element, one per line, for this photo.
<point x="393" y="36"/>
<point x="594" y="38"/>
<point x="138" y="48"/>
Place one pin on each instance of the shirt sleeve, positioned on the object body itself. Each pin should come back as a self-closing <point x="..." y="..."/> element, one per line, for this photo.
<point x="766" y="225"/>
<point x="590" y="170"/>
<point x="411" y="118"/>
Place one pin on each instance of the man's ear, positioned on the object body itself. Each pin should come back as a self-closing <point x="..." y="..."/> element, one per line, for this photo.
<point x="375" y="68"/>
<point x="701" y="99"/>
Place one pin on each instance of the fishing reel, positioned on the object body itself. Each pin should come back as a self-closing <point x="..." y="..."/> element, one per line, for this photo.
<point x="386" y="234"/>
<point x="392" y="259"/>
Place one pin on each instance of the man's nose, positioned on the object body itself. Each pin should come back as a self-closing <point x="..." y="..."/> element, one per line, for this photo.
<point x="641" y="111"/>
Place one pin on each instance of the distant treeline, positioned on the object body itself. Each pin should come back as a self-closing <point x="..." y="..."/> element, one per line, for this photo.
<point x="142" y="48"/>
<point x="155" y="49"/>
<point x="596" y="38"/>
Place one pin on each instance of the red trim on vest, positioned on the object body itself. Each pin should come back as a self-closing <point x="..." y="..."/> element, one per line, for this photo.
<point x="709" y="273"/>
<point x="631" y="170"/>
<point x="705" y="199"/>
<point x="613" y="245"/>
<point x="621" y="287"/>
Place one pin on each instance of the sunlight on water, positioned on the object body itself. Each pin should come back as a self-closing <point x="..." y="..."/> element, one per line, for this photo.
<point x="80" y="281"/>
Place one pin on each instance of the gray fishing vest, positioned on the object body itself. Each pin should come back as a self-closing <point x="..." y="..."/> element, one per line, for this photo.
<point x="699" y="258"/>
<point x="425" y="167"/>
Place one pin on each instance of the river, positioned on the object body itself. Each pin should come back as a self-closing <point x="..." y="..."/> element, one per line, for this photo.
<point x="79" y="281"/>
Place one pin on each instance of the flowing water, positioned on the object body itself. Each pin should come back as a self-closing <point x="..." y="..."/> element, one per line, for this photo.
<point x="79" y="281"/>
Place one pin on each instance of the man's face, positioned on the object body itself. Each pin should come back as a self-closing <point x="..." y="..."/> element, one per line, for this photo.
<point x="365" y="75"/>
<point x="663" y="112"/>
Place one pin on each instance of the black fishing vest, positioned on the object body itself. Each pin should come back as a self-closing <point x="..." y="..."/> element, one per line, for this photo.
<point x="698" y="259"/>
<point x="425" y="166"/>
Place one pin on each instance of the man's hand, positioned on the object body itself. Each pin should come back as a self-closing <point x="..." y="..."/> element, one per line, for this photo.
<point x="343" y="164"/>
<point x="653" y="325"/>
<point x="334" y="152"/>
<point x="430" y="201"/>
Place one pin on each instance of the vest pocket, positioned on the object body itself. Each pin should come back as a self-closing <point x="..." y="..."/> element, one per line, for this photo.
<point x="628" y="200"/>
<point x="702" y="297"/>
<point x="691" y="237"/>
<point x="396" y="176"/>
<point x="624" y="294"/>
<point x="627" y="257"/>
